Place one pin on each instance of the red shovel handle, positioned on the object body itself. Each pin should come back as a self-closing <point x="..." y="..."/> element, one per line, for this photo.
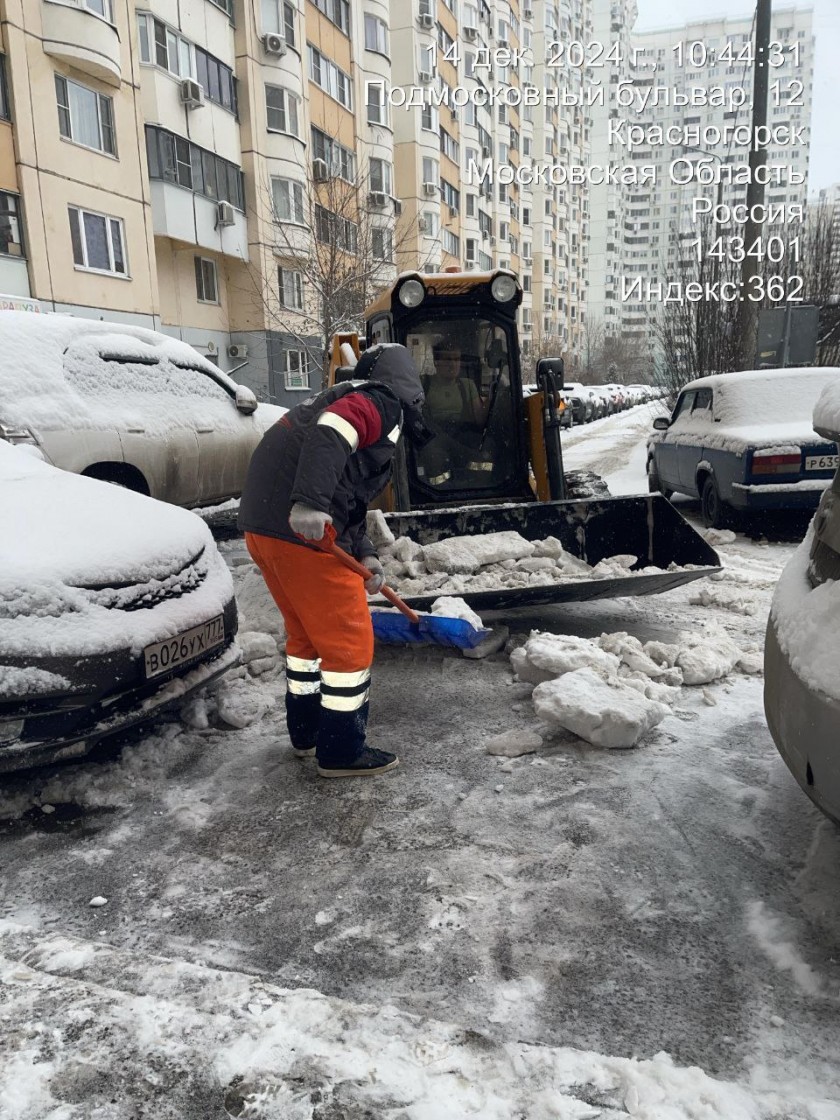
<point x="349" y="562"/>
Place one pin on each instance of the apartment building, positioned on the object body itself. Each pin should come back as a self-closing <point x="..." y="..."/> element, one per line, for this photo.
<point x="182" y="166"/>
<point x="703" y="54"/>
<point x="829" y="197"/>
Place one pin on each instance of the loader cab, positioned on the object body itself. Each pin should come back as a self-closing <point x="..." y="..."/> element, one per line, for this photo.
<point x="461" y="331"/>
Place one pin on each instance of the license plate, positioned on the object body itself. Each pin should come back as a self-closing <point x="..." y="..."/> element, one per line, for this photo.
<point x="163" y="657"/>
<point x="822" y="462"/>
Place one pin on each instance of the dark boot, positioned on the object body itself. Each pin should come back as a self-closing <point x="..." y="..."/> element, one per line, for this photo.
<point x="341" y="748"/>
<point x="303" y="714"/>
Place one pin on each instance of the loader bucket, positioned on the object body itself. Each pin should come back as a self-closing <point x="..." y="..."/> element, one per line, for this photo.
<point x="646" y="526"/>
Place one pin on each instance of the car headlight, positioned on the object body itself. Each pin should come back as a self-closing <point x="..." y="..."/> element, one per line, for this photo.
<point x="412" y="293"/>
<point x="503" y="288"/>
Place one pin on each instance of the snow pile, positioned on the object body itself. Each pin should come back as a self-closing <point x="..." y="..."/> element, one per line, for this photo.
<point x="807" y="622"/>
<point x="605" y="712"/>
<point x="513" y="743"/>
<point x="613" y="690"/>
<point x="827" y="410"/>
<point x="484" y="562"/>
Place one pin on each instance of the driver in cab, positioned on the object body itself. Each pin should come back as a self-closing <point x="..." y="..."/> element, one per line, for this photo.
<point x="452" y="399"/>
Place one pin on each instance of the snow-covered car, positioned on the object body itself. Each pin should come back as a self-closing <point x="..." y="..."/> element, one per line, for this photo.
<point x="802" y="650"/>
<point x="744" y="441"/>
<point x="127" y="405"/>
<point x="581" y="401"/>
<point x="113" y="607"/>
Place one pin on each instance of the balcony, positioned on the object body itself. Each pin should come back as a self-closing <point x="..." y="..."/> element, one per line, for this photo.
<point x="182" y="216"/>
<point x="82" y="39"/>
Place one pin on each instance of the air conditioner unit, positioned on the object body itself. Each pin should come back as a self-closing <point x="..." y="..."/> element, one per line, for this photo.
<point x="211" y="347"/>
<point x="492" y="242"/>
<point x="274" y="44"/>
<point x="192" y="95"/>
<point x="453" y="212"/>
<point x="427" y="21"/>
<point x="527" y="261"/>
<point x="526" y="327"/>
<point x="225" y="214"/>
<point x="237" y="350"/>
<point x="485" y="152"/>
<point x="397" y="207"/>
<point x="422" y="225"/>
<point x="528" y="13"/>
<point x="430" y="189"/>
<point x="484" y="235"/>
<point x="469" y="266"/>
<point x="378" y="199"/>
<point x="470" y="33"/>
<point x="425" y="77"/>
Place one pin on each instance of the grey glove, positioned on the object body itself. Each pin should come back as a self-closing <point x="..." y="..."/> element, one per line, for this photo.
<point x="377" y="574"/>
<point x="311" y="524"/>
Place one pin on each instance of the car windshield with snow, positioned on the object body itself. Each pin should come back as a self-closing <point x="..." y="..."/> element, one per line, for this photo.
<point x="132" y="612"/>
<point x="127" y="405"/>
<point x="745" y="441"/>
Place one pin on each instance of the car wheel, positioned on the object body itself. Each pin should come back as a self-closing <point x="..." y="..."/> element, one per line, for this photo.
<point x="654" y="484"/>
<point x="713" y="509"/>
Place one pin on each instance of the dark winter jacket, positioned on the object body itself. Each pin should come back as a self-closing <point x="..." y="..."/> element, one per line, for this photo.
<point x="334" y="453"/>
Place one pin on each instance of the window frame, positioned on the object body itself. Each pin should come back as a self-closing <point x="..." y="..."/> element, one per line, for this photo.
<point x="201" y="162"/>
<point x="110" y="220"/>
<point x="293" y="201"/>
<point x="326" y="70"/>
<point x="296" y="287"/>
<point x="66" y="110"/>
<point x="380" y="26"/>
<point x="334" y="154"/>
<point x="154" y="44"/>
<point x="303" y="372"/>
<point x="288" y="98"/>
<point x="384" y="175"/>
<point x="5" y="101"/>
<point x="387" y="236"/>
<point x="340" y="6"/>
<point x="16" y="220"/>
<point x="201" y="280"/>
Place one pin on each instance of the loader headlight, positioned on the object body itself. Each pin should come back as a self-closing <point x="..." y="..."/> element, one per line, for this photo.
<point x="503" y="288"/>
<point x="412" y="293"/>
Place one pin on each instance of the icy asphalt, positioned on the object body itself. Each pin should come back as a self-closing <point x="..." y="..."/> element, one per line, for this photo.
<point x="679" y="897"/>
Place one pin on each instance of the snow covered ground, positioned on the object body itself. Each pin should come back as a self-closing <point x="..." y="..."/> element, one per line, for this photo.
<point x="573" y="932"/>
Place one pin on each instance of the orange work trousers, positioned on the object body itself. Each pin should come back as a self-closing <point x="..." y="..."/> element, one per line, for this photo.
<point x="324" y="605"/>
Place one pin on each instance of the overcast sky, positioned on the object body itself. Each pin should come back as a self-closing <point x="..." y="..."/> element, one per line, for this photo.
<point x="825" y="135"/>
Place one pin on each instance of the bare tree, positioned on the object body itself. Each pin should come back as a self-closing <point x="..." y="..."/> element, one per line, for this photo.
<point x="593" y="337"/>
<point x="335" y="243"/>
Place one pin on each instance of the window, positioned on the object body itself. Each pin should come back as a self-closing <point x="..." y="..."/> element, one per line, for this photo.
<point x="429" y="118"/>
<point x="449" y="146"/>
<point x="85" y="117"/>
<point x="225" y="5"/>
<point x="340" y="160"/>
<point x="177" y="160"/>
<point x="431" y="170"/>
<point x="281" y="108"/>
<point x="451" y="243"/>
<point x="328" y="76"/>
<point x="380" y="175"/>
<point x="376" y="34"/>
<point x="377" y="111"/>
<point x="290" y="289"/>
<point x="382" y="244"/>
<point x="11" y="238"/>
<point x="98" y="241"/>
<point x="334" y="230"/>
<point x="5" y="108"/>
<point x="100" y="7"/>
<point x="206" y="288"/>
<point x="336" y="10"/>
<point x="163" y="47"/>
<point x="278" y="18"/>
<point x="451" y="196"/>
<point x="216" y="79"/>
<point x="296" y="369"/>
<point x="430" y="223"/>
<point x="288" y="201"/>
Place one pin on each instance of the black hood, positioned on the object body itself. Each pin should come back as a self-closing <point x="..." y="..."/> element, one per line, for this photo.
<point x="391" y="365"/>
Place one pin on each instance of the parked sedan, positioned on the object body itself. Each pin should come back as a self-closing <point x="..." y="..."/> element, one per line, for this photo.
<point x="744" y="441"/>
<point x="113" y="607"/>
<point x="802" y="651"/>
<point x="127" y="405"/>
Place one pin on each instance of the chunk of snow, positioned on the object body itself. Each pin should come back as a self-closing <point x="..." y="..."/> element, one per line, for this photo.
<point x="465" y="555"/>
<point x="608" y="714"/>
<point x="98" y="900"/>
<point x="827" y="408"/>
<point x="406" y="550"/>
<point x="513" y="743"/>
<point x="377" y="529"/>
<point x="707" y="657"/>
<point x="457" y="608"/>
<point x="563" y="653"/>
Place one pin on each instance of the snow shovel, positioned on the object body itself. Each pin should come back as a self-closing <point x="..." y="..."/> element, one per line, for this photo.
<point x="408" y="626"/>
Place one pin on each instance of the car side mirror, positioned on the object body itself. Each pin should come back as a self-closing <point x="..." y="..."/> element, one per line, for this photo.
<point x="662" y="423"/>
<point x="246" y="400"/>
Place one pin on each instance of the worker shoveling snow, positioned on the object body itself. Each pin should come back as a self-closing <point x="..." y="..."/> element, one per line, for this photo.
<point x="613" y="690"/>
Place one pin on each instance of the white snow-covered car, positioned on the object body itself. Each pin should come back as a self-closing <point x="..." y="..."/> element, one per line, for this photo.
<point x="113" y="607"/>
<point x="802" y="651"/>
<point x="127" y="405"/>
<point x="744" y="442"/>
